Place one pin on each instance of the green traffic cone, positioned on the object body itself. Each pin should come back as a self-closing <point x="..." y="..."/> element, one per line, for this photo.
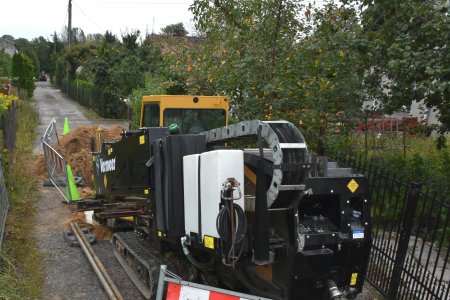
<point x="73" y="194"/>
<point x="66" y="126"/>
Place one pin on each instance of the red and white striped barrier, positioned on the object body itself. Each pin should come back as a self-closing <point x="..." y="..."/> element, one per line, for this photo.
<point x="56" y="159"/>
<point x="182" y="292"/>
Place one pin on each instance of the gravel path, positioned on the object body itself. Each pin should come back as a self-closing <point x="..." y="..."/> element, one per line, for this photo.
<point x="68" y="274"/>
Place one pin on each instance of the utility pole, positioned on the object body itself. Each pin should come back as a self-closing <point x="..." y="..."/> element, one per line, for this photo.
<point x="69" y="28"/>
<point x="69" y="38"/>
<point x="55" y="41"/>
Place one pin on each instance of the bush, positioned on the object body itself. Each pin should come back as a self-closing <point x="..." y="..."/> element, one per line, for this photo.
<point x="23" y="73"/>
<point x="154" y="85"/>
<point x="6" y="101"/>
<point x="21" y="275"/>
<point x="5" y="64"/>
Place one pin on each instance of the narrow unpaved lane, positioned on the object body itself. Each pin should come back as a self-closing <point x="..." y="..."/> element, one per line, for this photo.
<point x="52" y="102"/>
<point x="67" y="272"/>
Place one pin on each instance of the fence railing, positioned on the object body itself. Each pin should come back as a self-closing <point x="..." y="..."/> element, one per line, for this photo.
<point x="57" y="168"/>
<point x="9" y="126"/>
<point x="373" y="133"/>
<point x="411" y="233"/>
<point x="89" y="97"/>
<point x="4" y="205"/>
<point x="93" y="99"/>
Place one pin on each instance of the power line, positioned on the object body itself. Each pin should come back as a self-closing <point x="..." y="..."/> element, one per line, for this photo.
<point x="64" y="24"/>
<point x="137" y="2"/>
<point x="87" y="17"/>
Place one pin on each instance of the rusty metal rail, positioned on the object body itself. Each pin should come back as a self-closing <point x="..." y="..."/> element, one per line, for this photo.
<point x="110" y="288"/>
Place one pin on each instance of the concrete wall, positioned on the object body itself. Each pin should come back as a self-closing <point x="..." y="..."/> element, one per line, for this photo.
<point x="7" y="46"/>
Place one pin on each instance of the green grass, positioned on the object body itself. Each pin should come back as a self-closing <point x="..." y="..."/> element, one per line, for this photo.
<point x="21" y="274"/>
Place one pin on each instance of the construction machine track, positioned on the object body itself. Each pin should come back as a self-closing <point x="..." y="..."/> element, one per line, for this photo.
<point x="141" y="263"/>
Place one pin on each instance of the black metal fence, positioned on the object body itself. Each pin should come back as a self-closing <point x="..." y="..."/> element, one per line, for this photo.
<point x="411" y="233"/>
<point x="91" y="98"/>
<point x="375" y="133"/>
<point x="87" y="96"/>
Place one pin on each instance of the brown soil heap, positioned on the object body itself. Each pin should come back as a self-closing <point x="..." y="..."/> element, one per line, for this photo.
<point x="76" y="147"/>
<point x="36" y="167"/>
<point x="101" y="232"/>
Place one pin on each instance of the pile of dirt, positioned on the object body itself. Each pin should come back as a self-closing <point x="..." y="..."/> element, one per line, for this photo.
<point x="77" y="145"/>
<point x="86" y="193"/>
<point x="37" y="167"/>
<point x="101" y="232"/>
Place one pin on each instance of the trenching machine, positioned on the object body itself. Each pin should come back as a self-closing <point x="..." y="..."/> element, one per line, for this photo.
<point x="271" y="220"/>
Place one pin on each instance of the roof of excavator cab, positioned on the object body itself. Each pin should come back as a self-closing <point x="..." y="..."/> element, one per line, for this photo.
<point x="184" y="101"/>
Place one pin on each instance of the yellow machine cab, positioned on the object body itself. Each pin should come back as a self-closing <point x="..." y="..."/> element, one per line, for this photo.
<point x="192" y="114"/>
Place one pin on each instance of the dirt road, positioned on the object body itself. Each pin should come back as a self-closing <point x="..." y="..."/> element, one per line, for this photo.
<point x="68" y="274"/>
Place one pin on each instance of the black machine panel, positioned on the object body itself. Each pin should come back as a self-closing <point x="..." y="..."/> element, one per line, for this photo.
<point x="118" y="168"/>
<point x="169" y="170"/>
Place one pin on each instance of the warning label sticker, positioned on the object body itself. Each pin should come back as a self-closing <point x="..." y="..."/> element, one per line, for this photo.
<point x="358" y="234"/>
<point x="208" y="242"/>
<point x="352" y="185"/>
<point x="354" y="278"/>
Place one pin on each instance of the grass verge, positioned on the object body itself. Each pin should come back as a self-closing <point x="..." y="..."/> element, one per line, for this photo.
<point x="21" y="274"/>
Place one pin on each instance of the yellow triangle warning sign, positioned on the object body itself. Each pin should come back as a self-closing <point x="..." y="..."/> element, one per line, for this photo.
<point x="352" y="185"/>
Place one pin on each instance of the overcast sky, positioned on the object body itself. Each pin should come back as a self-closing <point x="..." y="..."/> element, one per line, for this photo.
<point x="33" y="18"/>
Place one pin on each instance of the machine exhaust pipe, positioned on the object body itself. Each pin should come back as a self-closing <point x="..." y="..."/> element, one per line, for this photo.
<point x="335" y="293"/>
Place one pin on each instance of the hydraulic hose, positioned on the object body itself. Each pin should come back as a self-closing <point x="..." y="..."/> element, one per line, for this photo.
<point x="200" y="265"/>
<point x="227" y="229"/>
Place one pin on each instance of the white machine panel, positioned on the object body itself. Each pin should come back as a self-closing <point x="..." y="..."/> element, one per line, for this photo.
<point x="190" y="183"/>
<point x="215" y="168"/>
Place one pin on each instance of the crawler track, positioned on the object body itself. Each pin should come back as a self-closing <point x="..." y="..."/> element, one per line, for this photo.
<point x="141" y="264"/>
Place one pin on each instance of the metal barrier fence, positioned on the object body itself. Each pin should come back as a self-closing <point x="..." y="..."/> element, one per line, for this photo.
<point x="4" y="205"/>
<point x="411" y="233"/>
<point x="57" y="168"/>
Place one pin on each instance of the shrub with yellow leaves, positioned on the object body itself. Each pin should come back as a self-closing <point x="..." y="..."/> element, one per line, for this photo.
<point x="6" y="101"/>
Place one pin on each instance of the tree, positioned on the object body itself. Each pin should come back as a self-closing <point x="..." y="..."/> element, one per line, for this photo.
<point x="43" y="49"/>
<point x="117" y="68"/>
<point x="77" y="35"/>
<point x="174" y="30"/>
<point x="274" y="60"/>
<point x="412" y="64"/>
<point x="26" y="47"/>
<point x="110" y="38"/>
<point x="96" y="38"/>
<point x="130" y="40"/>
<point x="77" y="56"/>
<point x="5" y="64"/>
<point x="23" y="73"/>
